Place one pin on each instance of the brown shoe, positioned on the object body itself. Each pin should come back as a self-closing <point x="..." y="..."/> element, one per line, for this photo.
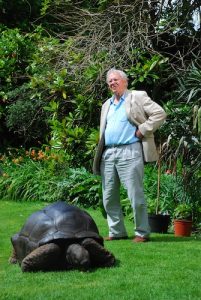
<point x="115" y="238"/>
<point x="140" y="239"/>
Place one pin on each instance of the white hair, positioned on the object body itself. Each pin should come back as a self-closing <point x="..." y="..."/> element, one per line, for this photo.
<point x="113" y="70"/>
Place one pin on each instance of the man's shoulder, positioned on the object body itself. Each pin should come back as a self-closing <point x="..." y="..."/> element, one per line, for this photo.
<point x="138" y="92"/>
<point x="137" y="97"/>
<point x="105" y="103"/>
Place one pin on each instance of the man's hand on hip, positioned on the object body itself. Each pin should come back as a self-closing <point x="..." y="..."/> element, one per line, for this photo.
<point x="139" y="134"/>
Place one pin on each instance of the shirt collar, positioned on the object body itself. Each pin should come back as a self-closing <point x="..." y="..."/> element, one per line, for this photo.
<point x="121" y="99"/>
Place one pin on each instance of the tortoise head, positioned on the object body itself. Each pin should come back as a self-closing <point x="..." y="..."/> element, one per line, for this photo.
<point x="78" y="257"/>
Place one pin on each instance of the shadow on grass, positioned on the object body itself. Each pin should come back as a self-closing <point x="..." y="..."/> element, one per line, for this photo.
<point x="172" y="238"/>
<point x="116" y="265"/>
<point x="157" y="237"/>
<point x="55" y="270"/>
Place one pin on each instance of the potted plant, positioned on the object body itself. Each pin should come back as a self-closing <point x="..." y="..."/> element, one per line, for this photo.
<point x="183" y="219"/>
<point x="158" y="215"/>
<point x="159" y="220"/>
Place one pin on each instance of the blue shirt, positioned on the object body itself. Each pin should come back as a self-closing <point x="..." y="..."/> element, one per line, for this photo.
<point x="119" y="131"/>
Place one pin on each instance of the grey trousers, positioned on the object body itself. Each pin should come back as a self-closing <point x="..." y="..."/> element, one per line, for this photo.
<point x="124" y="164"/>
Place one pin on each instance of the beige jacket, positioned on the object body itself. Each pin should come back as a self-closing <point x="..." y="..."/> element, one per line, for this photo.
<point x="144" y="113"/>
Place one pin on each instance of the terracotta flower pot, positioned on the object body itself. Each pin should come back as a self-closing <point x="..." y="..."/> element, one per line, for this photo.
<point x="182" y="227"/>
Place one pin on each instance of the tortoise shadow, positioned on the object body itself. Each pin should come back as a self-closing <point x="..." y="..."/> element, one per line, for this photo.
<point x="90" y="270"/>
<point x="94" y="269"/>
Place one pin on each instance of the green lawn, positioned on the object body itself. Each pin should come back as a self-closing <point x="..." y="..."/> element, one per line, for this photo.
<point x="165" y="268"/>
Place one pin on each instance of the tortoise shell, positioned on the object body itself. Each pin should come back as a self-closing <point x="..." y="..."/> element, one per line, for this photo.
<point x="58" y="221"/>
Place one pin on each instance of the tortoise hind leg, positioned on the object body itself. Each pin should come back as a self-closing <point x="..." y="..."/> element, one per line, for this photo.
<point x="43" y="258"/>
<point x="100" y="257"/>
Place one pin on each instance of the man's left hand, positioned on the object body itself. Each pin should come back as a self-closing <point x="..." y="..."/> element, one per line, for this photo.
<point x="139" y="134"/>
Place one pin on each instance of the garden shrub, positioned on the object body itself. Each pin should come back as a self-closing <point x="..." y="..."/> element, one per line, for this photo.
<point x="80" y="187"/>
<point x="27" y="118"/>
<point x="47" y="177"/>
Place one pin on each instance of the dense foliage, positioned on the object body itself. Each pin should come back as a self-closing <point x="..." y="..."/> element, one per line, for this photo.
<point x="45" y="176"/>
<point x="54" y="55"/>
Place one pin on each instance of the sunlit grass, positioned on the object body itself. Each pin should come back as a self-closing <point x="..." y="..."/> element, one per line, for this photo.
<point x="165" y="268"/>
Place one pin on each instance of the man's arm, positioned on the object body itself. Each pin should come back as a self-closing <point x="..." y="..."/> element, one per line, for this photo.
<point x="155" y="117"/>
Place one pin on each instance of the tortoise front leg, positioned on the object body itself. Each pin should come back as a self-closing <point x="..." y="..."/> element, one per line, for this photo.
<point x="43" y="258"/>
<point x="13" y="257"/>
<point x="100" y="257"/>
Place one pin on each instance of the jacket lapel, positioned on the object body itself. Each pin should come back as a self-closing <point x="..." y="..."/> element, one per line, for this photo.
<point x="128" y="105"/>
<point x="104" y="117"/>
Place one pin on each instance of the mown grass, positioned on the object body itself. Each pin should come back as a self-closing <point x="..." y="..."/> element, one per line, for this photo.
<point x="165" y="268"/>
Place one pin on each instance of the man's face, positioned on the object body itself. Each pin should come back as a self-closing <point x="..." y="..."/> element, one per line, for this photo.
<point x="116" y="83"/>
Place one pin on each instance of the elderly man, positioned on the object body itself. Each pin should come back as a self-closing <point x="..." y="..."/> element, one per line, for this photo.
<point x="128" y="121"/>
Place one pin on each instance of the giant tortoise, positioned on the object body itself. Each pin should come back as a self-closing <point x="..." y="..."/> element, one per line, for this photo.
<point x="60" y="237"/>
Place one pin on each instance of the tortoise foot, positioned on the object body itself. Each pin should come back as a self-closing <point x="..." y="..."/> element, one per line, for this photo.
<point x="100" y="257"/>
<point x="44" y="258"/>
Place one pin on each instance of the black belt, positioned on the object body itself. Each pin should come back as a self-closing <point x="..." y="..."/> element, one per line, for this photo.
<point x="120" y="145"/>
